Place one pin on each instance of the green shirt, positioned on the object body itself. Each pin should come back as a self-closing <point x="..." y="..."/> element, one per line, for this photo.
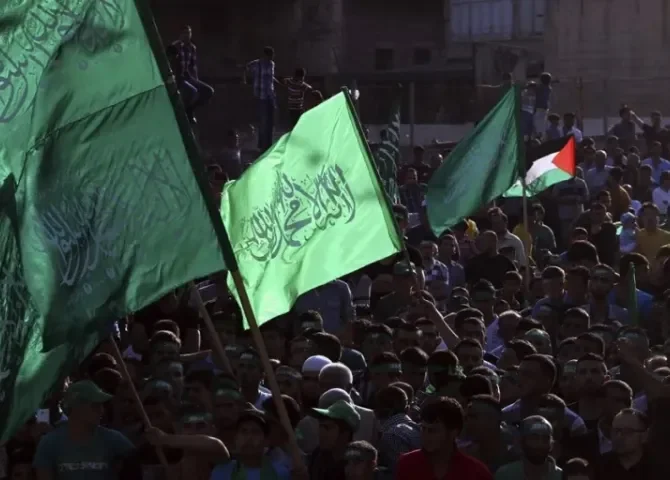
<point x="95" y="459"/>
<point x="514" y="471"/>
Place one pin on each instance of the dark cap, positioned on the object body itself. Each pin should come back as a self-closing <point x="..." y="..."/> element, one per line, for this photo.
<point x="404" y="268"/>
<point x="254" y="415"/>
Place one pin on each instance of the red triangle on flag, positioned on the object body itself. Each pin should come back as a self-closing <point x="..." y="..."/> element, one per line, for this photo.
<point x="565" y="158"/>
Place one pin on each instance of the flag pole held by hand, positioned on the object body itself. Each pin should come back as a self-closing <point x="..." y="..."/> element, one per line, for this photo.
<point x="269" y="371"/>
<point x="136" y="397"/>
<point x="214" y="336"/>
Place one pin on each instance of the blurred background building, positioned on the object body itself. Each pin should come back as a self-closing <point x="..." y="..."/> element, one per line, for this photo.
<point x="601" y="52"/>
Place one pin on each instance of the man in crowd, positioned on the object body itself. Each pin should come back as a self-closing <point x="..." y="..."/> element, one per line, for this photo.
<point x="196" y="92"/>
<point x="547" y="354"/>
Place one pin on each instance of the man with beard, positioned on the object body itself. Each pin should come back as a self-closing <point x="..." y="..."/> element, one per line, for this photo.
<point x="228" y="404"/>
<point x="489" y="264"/>
<point x="601" y="283"/>
<point x="615" y="396"/>
<point x="537" y="441"/>
<point x="337" y="425"/>
<point x="537" y="375"/>
<point x="250" y="374"/>
<point x="484" y="430"/>
<point x="311" y="369"/>
<point x="591" y="375"/>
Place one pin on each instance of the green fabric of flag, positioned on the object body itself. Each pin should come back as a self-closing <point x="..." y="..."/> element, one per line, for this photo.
<point x="388" y="153"/>
<point x="482" y="167"/>
<point x="309" y="211"/>
<point x="111" y="216"/>
<point x="633" y="314"/>
<point x="26" y="373"/>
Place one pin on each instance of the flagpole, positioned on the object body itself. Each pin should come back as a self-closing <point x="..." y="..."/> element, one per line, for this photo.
<point x="521" y="164"/>
<point x="218" y="346"/>
<point x="195" y="160"/>
<point x="136" y="398"/>
<point x="526" y="227"/>
<point x="369" y="157"/>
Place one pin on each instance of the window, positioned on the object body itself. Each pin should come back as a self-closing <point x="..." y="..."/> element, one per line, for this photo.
<point x="421" y="56"/>
<point x="384" y="59"/>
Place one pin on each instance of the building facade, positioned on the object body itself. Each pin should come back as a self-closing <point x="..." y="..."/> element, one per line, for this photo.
<point x="606" y="53"/>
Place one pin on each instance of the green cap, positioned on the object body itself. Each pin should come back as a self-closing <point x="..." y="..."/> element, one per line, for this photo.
<point x="404" y="268"/>
<point x="340" y="410"/>
<point x="84" y="392"/>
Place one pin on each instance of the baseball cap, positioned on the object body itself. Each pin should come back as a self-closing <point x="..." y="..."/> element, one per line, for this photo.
<point x="85" y="392"/>
<point x="254" y="415"/>
<point x="403" y="268"/>
<point x="342" y="411"/>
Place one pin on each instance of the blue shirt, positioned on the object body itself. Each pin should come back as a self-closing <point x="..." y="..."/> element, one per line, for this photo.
<point x="456" y="274"/>
<point x="225" y="471"/>
<point x="663" y="166"/>
<point x="543" y="97"/>
<point x="554" y="132"/>
<point x="94" y="459"/>
<point x="644" y="302"/>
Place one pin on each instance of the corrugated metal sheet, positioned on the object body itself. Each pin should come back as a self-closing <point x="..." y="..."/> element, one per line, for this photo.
<point x="477" y="20"/>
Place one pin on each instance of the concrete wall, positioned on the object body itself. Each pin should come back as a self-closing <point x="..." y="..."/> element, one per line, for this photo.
<point x="401" y="26"/>
<point x="619" y="50"/>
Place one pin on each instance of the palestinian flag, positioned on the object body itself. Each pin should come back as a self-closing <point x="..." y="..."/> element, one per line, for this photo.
<point x="552" y="163"/>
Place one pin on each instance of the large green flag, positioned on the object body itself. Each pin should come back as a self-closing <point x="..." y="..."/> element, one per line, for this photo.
<point x="388" y="153"/>
<point x="310" y="210"/>
<point x="111" y="216"/>
<point x="26" y="373"/>
<point x="482" y="167"/>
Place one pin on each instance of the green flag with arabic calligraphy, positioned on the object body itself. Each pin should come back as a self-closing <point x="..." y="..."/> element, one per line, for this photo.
<point x="27" y="374"/>
<point x="309" y="211"/>
<point x="387" y="154"/>
<point x="111" y="216"/>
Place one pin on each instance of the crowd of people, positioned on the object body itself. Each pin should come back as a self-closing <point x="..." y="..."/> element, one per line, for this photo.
<point x="498" y="350"/>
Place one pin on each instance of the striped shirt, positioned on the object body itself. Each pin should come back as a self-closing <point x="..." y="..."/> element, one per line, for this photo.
<point x="187" y="57"/>
<point x="296" y="93"/>
<point x="399" y="434"/>
<point x="263" y="72"/>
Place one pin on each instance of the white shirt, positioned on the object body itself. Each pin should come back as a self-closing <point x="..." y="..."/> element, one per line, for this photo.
<point x="493" y="340"/>
<point x="663" y="166"/>
<point x="511" y="240"/>
<point x="577" y="133"/>
<point x="662" y="199"/>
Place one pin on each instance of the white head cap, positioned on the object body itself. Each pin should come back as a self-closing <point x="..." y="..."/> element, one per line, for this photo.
<point x="315" y="363"/>
<point x="334" y="395"/>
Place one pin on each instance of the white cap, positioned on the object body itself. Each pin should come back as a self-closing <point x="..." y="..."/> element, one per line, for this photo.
<point x="315" y="363"/>
<point x="333" y="395"/>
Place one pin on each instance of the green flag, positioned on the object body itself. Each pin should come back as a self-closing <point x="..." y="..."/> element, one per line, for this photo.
<point x="388" y="153"/>
<point x="26" y="373"/>
<point x="309" y="211"/>
<point x="481" y="168"/>
<point x="111" y="216"/>
<point x="632" y="296"/>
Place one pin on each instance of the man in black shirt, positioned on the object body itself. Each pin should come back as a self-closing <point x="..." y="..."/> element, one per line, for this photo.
<point x="489" y="264"/>
<point x="628" y="460"/>
<point x="654" y="132"/>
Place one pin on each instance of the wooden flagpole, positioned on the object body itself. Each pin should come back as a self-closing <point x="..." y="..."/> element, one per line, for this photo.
<point x="218" y="346"/>
<point x="136" y="397"/>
